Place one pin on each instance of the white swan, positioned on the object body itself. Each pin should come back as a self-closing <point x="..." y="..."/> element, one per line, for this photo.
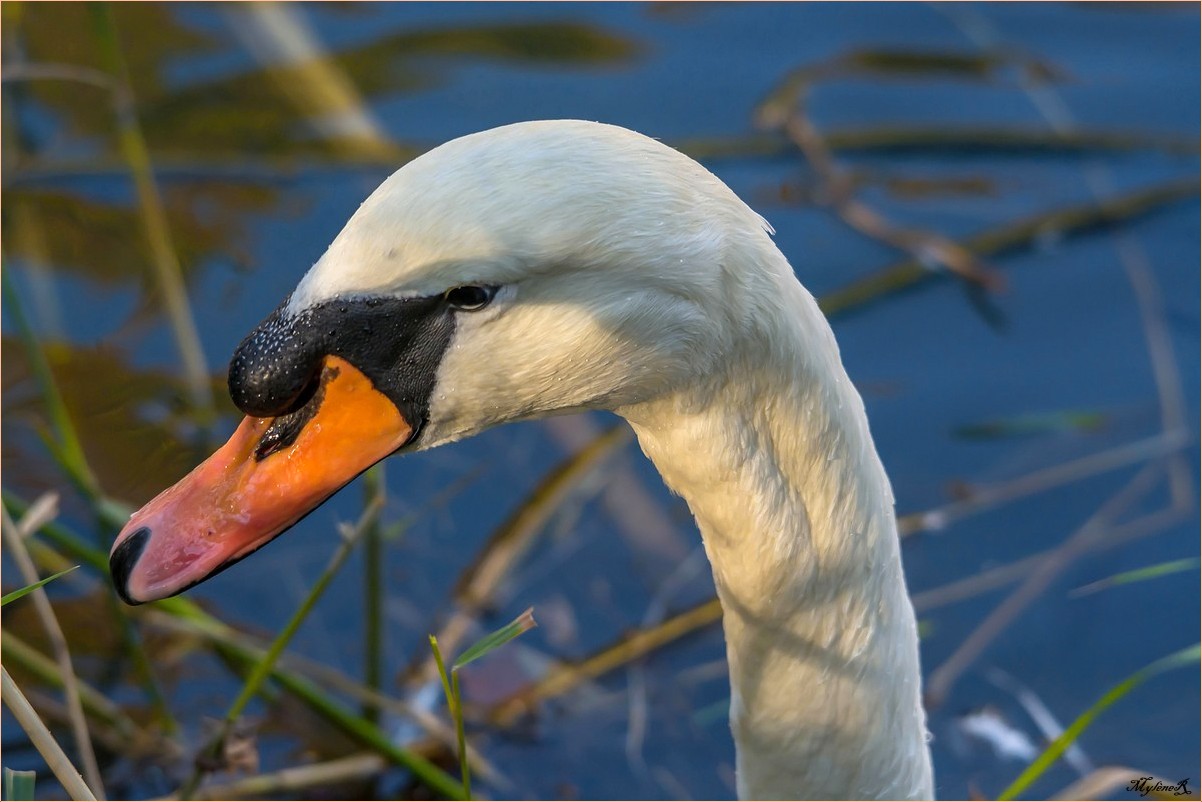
<point x="553" y="266"/>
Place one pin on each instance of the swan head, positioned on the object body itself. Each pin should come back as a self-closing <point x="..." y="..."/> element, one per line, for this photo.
<point x="524" y="271"/>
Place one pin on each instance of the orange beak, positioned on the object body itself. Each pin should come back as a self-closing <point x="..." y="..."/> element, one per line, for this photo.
<point x="266" y="478"/>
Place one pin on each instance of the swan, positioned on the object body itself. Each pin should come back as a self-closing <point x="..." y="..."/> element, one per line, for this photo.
<point x="547" y="267"/>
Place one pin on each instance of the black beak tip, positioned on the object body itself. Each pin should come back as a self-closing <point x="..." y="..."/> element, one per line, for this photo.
<point x="124" y="558"/>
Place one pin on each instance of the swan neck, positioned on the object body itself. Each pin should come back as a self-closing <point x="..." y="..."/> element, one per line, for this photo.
<point x="776" y="462"/>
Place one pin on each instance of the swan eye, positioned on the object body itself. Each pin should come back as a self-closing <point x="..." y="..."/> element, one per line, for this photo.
<point x="469" y="298"/>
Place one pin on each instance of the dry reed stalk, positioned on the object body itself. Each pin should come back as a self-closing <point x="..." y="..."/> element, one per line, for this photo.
<point x="839" y="191"/>
<point x="479" y="584"/>
<point x="62" y="653"/>
<point x="56" y="759"/>
<point x="329" y="677"/>
<point x="1011" y="236"/>
<point x="100" y="707"/>
<point x="295" y="779"/>
<point x="291" y="52"/>
<point x="158" y="233"/>
<point x="567" y="676"/>
<point x="940" y="681"/>
<point x="994" y="578"/>
<point x="640" y="516"/>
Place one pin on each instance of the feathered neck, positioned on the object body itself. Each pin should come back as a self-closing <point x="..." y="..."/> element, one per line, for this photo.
<point x="774" y="457"/>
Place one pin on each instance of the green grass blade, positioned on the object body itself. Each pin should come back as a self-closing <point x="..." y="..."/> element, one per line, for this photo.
<point x="1056" y="748"/>
<point x="265" y="666"/>
<point x="64" y="539"/>
<point x="355" y="726"/>
<point x="96" y="559"/>
<point x="523" y="623"/>
<point x="369" y="735"/>
<point x="18" y="785"/>
<point x="442" y="673"/>
<point x="450" y="680"/>
<point x="17" y="653"/>
<point x="461" y="737"/>
<point x="16" y="594"/>
<point x="316" y="699"/>
<point x="66" y="444"/>
<point x="164" y="259"/>
<point x="1138" y="575"/>
<point x="450" y="688"/>
<point x="373" y="592"/>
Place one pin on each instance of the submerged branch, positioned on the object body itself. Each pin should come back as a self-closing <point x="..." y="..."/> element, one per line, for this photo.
<point x="566" y="676"/>
<point x="231" y="648"/>
<point x="1085" y="537"/>
<point x="1024" y="233"/>
<point x="980" y="497"/>
<point x="476" y="589"/>
<point x="212" y="752"/>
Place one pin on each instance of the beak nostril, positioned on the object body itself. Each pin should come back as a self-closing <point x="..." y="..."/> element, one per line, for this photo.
<point x="124" y="558"/>
<point x="287" y="427"/>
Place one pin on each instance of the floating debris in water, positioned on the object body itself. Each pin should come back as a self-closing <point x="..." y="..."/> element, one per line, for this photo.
<point x="987" y="725"/>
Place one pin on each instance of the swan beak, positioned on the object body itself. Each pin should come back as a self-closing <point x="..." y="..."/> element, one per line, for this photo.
<point x="271" y="473"/>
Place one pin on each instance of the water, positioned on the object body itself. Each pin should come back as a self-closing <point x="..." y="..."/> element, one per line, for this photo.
<point x="254" y="197"/>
